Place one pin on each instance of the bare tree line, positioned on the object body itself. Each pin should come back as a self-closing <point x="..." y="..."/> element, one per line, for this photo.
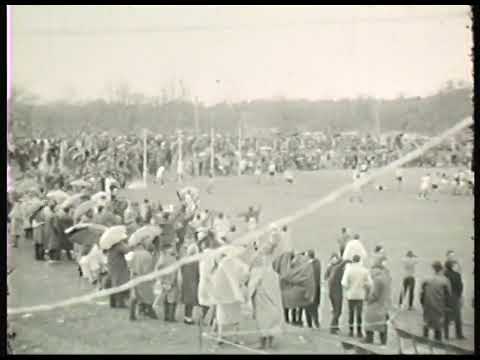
<point x="126" y="112"/>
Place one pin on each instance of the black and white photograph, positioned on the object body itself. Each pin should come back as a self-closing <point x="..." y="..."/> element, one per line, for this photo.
<point x="240" y="179"/>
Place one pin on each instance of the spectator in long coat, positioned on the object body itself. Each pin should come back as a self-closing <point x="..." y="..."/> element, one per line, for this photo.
<point x="454" y="313"/>
<point x="265" y="295"/>
<point x="298" y="290"/>
<point x="118" y="272"/>
<point x="190" y="280"/>
<point x="50" y="231"/>
<point x="169" y="283"/>
<point x="281" y="264"/>
<point x="434" y="297"/>
<point x="312" y="310"/>
<point x="228" y="280"/>
<point x="334" y="275"/>
<point x="141" y="264"/>
<point x="64" y="221"/>
<point x="378" y="304"/>
<point x="206" y="267"/>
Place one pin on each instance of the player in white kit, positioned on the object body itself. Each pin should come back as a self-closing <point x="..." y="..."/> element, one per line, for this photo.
<point x="357" y="189"/>
<point x="424" y="187"/>
<point x="159" y="176"/>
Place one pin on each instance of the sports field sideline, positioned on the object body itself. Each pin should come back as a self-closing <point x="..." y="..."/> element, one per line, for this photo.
<point x="397" y="220"/>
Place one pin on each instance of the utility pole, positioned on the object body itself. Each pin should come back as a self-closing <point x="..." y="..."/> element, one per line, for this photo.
<point x="145" y="157"/>
<point x="240" y="145"/>
<point x="180" y="153"/>
<point x="195" y="115"/>
<point x="212" y="151"/>
<point x="377" y="118"/>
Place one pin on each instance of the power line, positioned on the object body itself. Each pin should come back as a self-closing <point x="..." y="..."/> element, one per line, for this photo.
<point x="57" y="31"/>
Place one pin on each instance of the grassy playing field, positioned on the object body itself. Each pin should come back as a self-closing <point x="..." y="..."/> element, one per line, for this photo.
<point x="398" y="220"/>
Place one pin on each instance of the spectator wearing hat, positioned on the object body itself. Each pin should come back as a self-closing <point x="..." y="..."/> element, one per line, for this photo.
<point x="356" y="281"/>
<point x="408" y="284"/>
<point x="434" y="297"/>
<point x="454" y="312"/>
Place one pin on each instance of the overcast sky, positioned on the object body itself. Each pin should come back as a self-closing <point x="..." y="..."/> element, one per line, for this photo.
<point x="313" y="52"/>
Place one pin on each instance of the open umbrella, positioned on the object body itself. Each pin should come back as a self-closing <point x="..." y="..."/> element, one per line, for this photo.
<point x="32" y="207"/>
<point x="75" y="200"/>
<point x="58" y="195"/>
<point x="83" y="208"/>
<point x="85" y="234"/>
<point x="112" y="236"/>
<point x="145" y="234"/>
<point x="80" y="183"/>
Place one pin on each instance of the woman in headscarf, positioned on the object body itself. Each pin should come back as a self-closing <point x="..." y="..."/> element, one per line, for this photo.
<point x="142" y="295"/>
<point x="266" y="297"/>
<point x="228" y="281"/>
<point x="190" y="279"/>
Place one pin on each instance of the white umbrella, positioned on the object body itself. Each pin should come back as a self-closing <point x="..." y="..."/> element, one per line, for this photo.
<point x="83" y="208"/>
<point x="112" y="236"/>
<point x="74" y="200"/>
<point x="145" y="234"/>
<point x="80" y="183"/>
<point x="58" y="195"/>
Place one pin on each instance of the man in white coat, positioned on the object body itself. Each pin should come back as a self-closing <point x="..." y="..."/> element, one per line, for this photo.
<point x="355" y="247"/>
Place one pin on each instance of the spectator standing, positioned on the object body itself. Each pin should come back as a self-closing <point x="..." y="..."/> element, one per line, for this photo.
<point x="434" y="298"/>
<point x="454" y="312"/>
<point x="312" y="310"/>
<point x="334" y="274"/>
<point x="378" y="303"/>
<point x="408" y="284"/>
<point x="356" y="280"/>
